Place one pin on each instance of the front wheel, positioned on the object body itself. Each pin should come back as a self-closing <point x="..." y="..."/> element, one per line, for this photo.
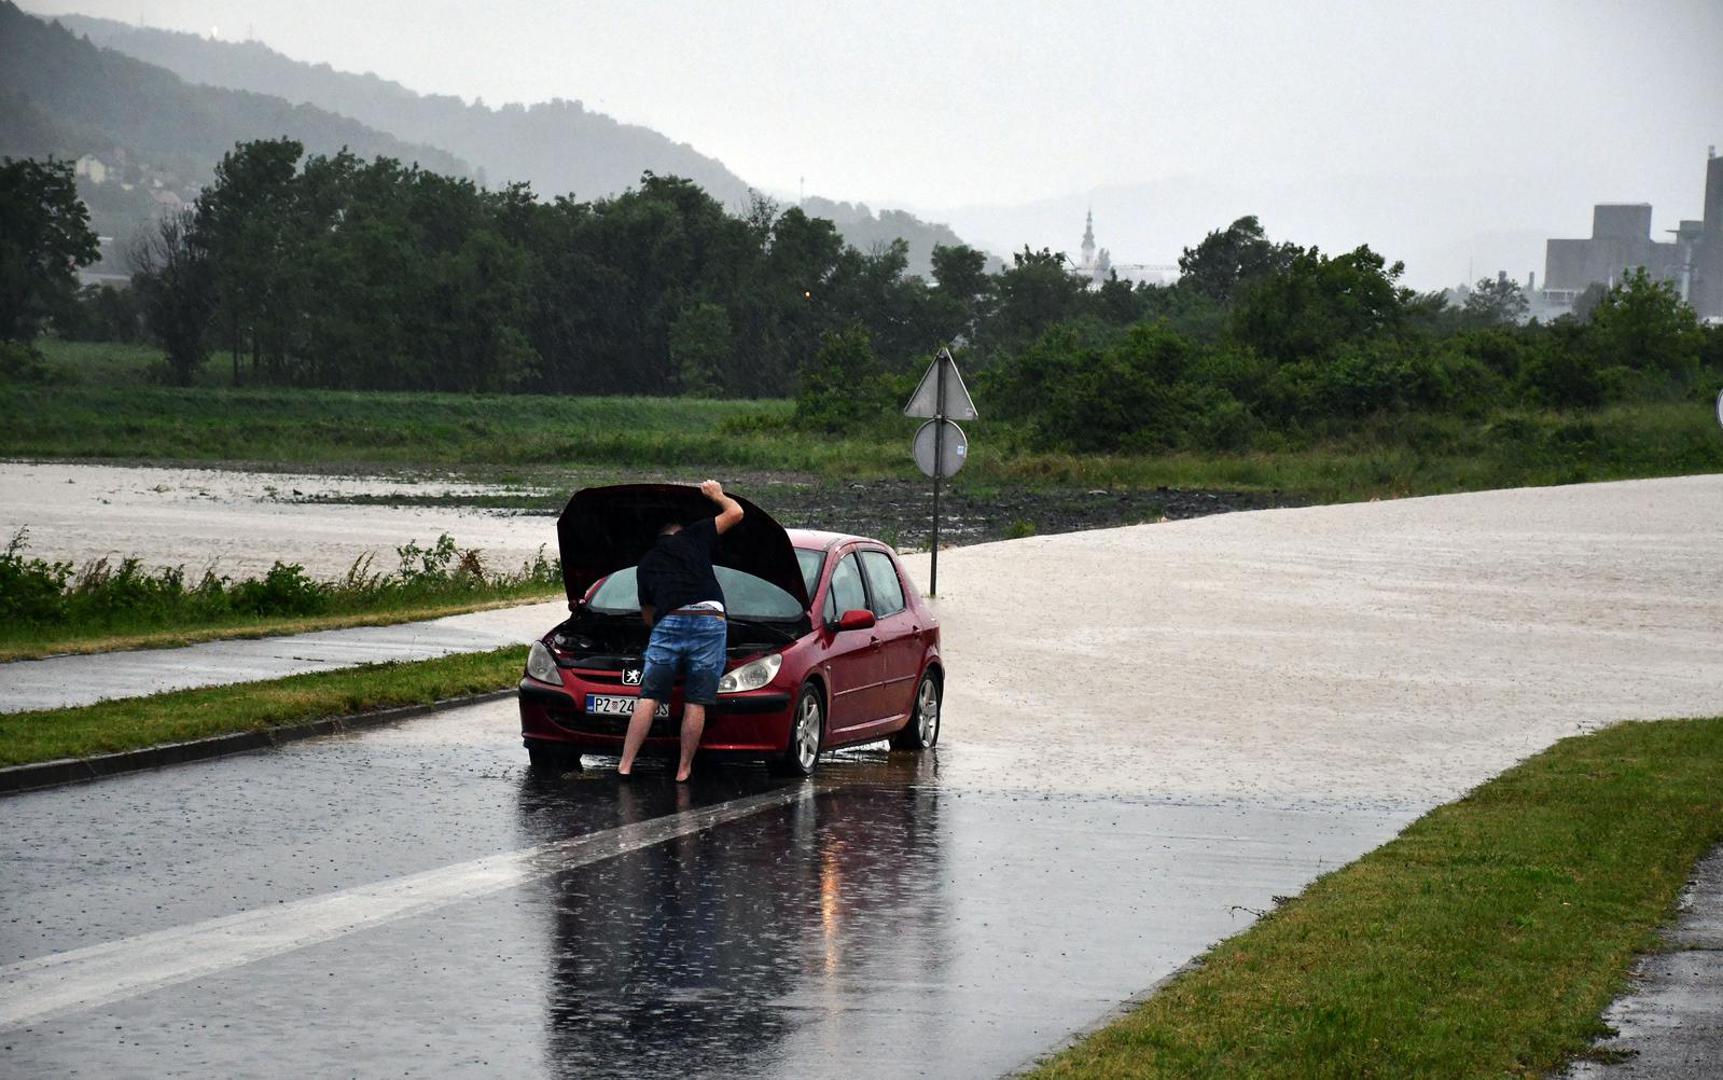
<point x="807" y="735"/>
<point x="922" y="731"/>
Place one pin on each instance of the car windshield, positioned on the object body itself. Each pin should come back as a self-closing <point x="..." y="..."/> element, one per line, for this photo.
<point x="745" y="596"/>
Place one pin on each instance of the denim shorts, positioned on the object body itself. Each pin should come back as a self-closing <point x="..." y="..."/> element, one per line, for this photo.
<point x="690" y="646"/>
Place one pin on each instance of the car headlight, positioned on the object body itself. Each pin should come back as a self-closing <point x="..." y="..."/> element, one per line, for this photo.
<point x="752" y="675"/>
<point x="541" y="665"/>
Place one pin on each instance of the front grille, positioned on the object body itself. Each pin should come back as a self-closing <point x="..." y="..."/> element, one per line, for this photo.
<point x="584" y="723"/>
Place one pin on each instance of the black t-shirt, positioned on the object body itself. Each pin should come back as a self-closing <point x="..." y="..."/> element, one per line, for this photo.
<point x="678" y="570"/>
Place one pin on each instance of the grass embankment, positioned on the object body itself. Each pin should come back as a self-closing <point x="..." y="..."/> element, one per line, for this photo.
<point x="109" y="418"/>
<point x="129" y="724"/>
<point x="1485" y="940"/>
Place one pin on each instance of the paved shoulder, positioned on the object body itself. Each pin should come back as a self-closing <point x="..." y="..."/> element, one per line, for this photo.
<point x="63" y="681"/>
<point x="1670" y="1023"/>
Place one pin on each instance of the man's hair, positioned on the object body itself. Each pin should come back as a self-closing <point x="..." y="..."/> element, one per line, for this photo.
<point x="669" y="527"/>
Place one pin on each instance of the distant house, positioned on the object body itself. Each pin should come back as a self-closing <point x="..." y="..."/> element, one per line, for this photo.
<point x="91" y="168"/>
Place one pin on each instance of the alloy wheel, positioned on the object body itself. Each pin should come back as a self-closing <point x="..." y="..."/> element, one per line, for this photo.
<point x="808" y="732"/>
<point x="927" y="711"/>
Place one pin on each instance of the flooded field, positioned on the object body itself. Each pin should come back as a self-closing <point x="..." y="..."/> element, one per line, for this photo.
<point x="240" y="522"/>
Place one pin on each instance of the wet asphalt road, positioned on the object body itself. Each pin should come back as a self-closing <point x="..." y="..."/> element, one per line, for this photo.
<point x="1150" y="733"/>
<point x="411" y="902"/>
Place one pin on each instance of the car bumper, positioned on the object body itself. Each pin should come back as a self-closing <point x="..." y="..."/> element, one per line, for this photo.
<point x="756" y="722"/>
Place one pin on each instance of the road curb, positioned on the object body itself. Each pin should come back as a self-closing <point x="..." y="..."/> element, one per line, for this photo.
<point x="46" y="774"/>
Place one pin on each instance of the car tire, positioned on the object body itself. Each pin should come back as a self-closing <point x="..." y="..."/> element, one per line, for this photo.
<point x="552" y="760"/>
<point x="807" y="735"/>
<point x="922" y="731"/>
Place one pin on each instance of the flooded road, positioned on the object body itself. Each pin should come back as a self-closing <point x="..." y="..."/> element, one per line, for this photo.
<point x="412" y="902"/>
<point x="1148" y="734"/>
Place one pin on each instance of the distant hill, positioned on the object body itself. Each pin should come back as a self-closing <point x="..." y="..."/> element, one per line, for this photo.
<point x="866" y="232"/>
<point x="560" y="147"/>
<point x="158" y="137"/>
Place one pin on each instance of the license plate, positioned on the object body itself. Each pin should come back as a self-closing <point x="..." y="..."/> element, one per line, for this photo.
<point x="616" y="705"/>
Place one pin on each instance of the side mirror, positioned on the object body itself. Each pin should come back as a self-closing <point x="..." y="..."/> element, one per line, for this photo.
<point x="855" y="619"/>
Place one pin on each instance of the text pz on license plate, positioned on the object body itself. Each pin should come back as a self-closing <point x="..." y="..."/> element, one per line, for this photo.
<point x="616" y="705"/>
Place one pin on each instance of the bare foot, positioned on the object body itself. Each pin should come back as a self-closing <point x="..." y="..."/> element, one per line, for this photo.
<point x="683" y="773"/>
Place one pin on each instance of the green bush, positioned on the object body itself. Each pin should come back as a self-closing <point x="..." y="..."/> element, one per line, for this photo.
<point x="31" y="590"/>
<point x="38" y="596"/>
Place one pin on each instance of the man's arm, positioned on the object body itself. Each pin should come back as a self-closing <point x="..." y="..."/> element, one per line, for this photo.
<point x="730" y="511"/>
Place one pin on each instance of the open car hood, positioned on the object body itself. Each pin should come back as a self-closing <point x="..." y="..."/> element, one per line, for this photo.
<point x="606" y="529"/>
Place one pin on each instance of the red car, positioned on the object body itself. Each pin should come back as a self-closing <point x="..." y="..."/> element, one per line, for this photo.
<point x="830" y="643"/>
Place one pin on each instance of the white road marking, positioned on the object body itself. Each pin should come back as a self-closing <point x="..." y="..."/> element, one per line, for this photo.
<point x="47" y="986"/>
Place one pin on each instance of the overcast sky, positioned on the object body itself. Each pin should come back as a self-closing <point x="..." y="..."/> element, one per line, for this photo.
<point x="1442" y="127"/>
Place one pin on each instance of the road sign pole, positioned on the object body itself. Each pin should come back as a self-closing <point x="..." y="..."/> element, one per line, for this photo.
<point x="940" y="397"/>
<point x="938" y="456"/>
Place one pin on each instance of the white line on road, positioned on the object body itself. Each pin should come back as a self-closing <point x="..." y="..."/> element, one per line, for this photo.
<point x="34" y="990"/>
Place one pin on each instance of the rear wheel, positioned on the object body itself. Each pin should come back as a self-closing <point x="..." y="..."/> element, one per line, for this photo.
<point x="922" y="731"/>
<point x="552" y="760"/>
<point x="807" y="735"/>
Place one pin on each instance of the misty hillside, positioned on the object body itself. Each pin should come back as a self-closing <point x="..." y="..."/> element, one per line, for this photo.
<point x="158" y="137"/>
<point x="560" y="147"/>
<point x="865" y="231"/>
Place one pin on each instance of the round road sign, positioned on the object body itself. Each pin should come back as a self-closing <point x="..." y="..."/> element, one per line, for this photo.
<point x="953" y="452"/>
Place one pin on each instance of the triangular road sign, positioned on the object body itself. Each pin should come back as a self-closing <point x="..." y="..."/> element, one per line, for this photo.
<point x="926" y="399"/>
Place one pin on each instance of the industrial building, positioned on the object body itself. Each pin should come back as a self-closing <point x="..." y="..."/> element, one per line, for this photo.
<point x="1621" y="240"/>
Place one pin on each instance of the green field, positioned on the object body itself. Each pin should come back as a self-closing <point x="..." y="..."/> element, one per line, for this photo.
<point x="105" y="408"/>
<point x="1485" y="940"/>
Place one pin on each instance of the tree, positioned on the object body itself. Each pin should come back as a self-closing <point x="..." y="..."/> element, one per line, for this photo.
<point x="964" y="293"/>
<point x="844" y="385"/>
<point x="1588" y="299"/>
<point x="701" y="346"/>
<point x="1035" y="292"/>
<point x="1319" y="303"/>
<point x="1230" y="259"/>
<point x="1643" y="325"/>
<point x="173" y="278"/>
<point x="1496" y="302"/>
<point x="45" y="238"/>
<point x="244" y="223"/>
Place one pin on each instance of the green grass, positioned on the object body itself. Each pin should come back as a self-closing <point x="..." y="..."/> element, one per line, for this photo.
<point x="131" y="723"/>
<point x="1484" y="941"/>
<point x="490" y="435"/>
<point x="112" y="363"/>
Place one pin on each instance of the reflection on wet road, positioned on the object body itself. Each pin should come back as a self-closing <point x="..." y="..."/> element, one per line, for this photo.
<point x="882" y="922"/>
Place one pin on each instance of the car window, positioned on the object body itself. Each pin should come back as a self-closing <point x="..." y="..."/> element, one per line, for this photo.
<point x="882" y="583"/>
<point x="846" y="593"/>
<point x="745" y="596"/>
<point x="810" y="562"/>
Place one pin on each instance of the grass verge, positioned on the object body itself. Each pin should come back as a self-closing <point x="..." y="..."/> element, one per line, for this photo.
<point x="1485" y="940"/>
<point x="110" y="726"/>
<point x="249" y="627"/>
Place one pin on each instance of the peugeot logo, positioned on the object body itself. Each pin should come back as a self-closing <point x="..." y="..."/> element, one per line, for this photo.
<point x="631" y="676"/>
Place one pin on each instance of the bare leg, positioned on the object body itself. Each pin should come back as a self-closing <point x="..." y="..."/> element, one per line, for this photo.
<point x="638" y="725"/>
<point x="693" y="723"/>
